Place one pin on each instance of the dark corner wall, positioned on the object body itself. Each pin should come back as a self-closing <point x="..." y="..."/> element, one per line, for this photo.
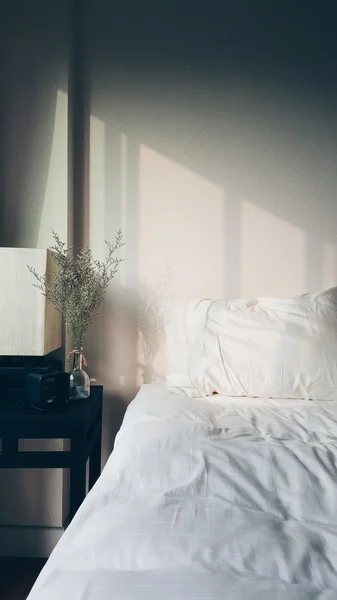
<point x="34" y="38"/>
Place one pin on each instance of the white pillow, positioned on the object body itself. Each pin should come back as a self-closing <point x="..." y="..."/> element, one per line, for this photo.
<point x="269" y="347"/>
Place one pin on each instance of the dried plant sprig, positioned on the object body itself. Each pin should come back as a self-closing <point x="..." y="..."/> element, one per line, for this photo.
<point x="78" y="285"/>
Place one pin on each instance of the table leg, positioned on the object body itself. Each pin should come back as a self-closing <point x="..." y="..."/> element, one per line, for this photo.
<point x="77" y="473"/>
<point x="95" y="459"/>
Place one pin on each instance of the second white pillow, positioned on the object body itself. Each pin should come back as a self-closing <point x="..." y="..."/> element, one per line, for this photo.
<point x="269" y="347"/>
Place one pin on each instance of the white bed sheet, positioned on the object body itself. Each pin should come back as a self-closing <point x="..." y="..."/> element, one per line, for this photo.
<point x="206" y="499"/>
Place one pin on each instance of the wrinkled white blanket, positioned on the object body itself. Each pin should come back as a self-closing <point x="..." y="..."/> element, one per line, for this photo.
<point x="207" y="499"/>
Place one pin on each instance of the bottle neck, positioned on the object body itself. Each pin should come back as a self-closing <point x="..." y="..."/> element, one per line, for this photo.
<point x="77" y="359"/>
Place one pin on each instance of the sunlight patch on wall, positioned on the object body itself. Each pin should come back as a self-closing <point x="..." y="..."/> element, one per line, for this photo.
<point x="181" y="247"/>
<point x="181" y="226"/>
<point x="54" y="210"/>
<point x="273" y="254"/>
<point x="108" y="190"/>
<point x="97" y="188"/>
<point x="124" y="196"/>
<point x="329" y="266"/>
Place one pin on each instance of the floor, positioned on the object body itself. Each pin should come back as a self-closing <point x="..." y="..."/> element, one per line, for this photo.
<point x="17" y="576"/>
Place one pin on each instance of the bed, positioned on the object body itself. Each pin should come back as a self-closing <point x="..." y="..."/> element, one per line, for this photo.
<point x="223" y="481"/>
<point x="207" y="498"/>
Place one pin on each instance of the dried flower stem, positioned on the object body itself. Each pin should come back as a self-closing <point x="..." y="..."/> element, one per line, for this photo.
<point x="78" y="286"/>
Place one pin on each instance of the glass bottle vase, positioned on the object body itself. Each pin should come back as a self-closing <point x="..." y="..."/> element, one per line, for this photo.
<point x="79" y="379"/>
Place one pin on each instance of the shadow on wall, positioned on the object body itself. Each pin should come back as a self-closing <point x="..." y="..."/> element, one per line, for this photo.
<point x="32" y="118"/>
<point x="28" y="115"/>
<point x="151" y="303"/>
<point x="111" y="352"/>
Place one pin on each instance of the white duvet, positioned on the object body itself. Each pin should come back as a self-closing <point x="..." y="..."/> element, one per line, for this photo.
<point x="207" y="499"/>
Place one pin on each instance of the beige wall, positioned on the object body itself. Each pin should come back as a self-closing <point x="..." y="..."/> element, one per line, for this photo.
<point x="231" y="186"/>
<point x="213" y="147"/>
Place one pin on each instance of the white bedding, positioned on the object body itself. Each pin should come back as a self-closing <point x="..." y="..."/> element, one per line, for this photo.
<point x="207" y="499"/>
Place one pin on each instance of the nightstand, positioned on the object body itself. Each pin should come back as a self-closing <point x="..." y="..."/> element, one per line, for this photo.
<point x="81" y="422"/>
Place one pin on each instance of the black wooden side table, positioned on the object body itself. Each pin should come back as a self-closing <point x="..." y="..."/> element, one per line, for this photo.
<point x="81" y="422"/>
